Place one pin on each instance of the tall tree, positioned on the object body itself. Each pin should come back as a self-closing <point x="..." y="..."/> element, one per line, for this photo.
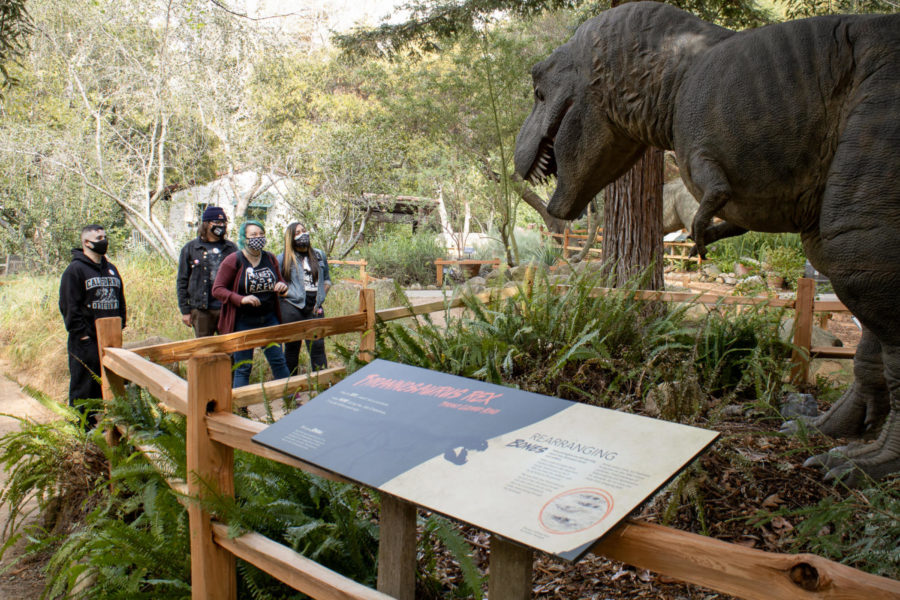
<point x="436" y="22"/>
<point x="632" y="222"/>
<point x="15" y="27"/>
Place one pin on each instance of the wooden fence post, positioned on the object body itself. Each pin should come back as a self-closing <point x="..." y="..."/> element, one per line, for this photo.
<point x="439" y="266"/>
<point x="803" y="324"/>
<point x="109" y="335"/>
<point x="367" y="337"/>
<point x="210" y="467"/>
<point x="510" y="570"/>
<point x="566" y="243"/>
<point x="397" y="548"/>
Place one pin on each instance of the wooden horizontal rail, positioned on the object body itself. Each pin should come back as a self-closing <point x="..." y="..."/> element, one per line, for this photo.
<point x="311" y="329"/>
<point x="258" y="392"/>
<point x="580" y="248"/>
<point x="299" y="572"/>
<point x="832" y="352"/>
<point x="355" y="263"/>
<point x="152" y="454"/>
<point x="572" y="235"/>
<point x="163" y="384"/>
<point x="711" y="299"/>
<point x="401" y="312"/>
<point x="829" y="306"/>
<point x="734" y="569"/>
<point x="466" y="261"/>
<point x="236" y="432"/>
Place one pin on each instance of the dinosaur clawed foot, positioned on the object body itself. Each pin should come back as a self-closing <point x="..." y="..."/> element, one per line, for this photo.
<point x="855" y="463"/>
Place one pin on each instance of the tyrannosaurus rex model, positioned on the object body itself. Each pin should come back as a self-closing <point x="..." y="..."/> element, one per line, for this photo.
<point x="787" y="128"/>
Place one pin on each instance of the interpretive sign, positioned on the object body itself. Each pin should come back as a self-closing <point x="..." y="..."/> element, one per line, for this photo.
<point x="548" y="473"/>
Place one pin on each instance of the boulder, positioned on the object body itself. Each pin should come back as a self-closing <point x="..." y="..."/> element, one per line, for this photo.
<point x="820" y="337"/>
<point x="711" y="270"/>
<point x="799" y="405"/>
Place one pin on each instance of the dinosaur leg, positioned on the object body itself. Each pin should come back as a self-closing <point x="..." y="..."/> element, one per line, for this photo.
<point x="707" y="175"/>
<point x="722" y="230"/>
<point x="864" y="404"/>
<point x="875" y="393"/>
<point x="856" y="246"/>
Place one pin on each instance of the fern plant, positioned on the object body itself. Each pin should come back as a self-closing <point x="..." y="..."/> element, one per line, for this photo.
<point x="56" y="464"/>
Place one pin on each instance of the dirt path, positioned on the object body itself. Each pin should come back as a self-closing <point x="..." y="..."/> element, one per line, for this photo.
<point x="23" y="581"/>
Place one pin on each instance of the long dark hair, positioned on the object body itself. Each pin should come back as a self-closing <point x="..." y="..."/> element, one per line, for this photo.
<point x="291" y="256"/>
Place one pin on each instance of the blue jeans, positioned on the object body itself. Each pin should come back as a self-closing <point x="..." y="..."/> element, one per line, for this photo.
<point x="243" y="358"/>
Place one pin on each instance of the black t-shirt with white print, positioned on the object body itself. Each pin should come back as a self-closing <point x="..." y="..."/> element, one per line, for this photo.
<point x="259" y="281"/>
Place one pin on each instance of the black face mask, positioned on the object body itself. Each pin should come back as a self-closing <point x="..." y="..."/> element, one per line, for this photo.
<point x="301" y="242"/>
<point x="219" y="231"/>
<point x="100" y="246"/>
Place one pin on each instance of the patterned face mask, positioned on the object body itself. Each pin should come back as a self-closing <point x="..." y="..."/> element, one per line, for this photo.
<point x="257" y="243"/>
<point x="301" y="242"/>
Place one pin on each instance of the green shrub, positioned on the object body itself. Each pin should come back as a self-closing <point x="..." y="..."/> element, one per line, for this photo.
<point x="609" y="350"/>
<point x="134" y="543"/>
<point x="724" y="253"/>
<point x="405" y="258"/>
<point x="785" y="261"/>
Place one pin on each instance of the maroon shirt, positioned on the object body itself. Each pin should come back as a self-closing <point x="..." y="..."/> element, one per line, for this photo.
<point x="228" y="282"/>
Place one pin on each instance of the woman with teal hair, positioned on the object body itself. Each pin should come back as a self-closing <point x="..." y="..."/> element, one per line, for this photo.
<point x="248" y="285"/>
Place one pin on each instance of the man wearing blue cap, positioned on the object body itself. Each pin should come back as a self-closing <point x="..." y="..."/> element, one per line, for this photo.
<point x="197" y="268"/>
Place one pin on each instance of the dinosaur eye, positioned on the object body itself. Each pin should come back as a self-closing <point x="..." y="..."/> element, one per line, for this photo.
<point x="539" y="95"/>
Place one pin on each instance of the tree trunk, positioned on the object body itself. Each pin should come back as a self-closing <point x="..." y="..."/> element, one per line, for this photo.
<point x="632" y="222"/>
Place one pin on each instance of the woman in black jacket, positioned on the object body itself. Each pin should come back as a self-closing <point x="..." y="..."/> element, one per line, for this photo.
<point x="197" y="267"/>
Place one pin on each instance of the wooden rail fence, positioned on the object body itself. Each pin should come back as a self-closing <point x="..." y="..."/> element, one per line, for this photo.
<point x="214" y="432"/>
<point x="364" y="277"/>
<point x="672" y="251"/>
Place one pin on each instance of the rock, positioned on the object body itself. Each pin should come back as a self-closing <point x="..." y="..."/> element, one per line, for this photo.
<point x="733" y="411"/>
<point x="820" y="337"/>
<point x="799" y="405"/>
<point x="754" y="279"/>
<point x="414" y="286"/>
<point x="476" y="281"/>
<point x="712" y="270"/>
<point x="729" y="280"/>
<point x="493" y="275"/>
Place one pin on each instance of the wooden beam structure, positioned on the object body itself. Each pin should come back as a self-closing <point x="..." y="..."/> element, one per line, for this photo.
<point x="299" y="572"/>
<point x="210" y="472"/>
<point x="737" y="570"/>
<point x="312" y="329"/>
<point x="256" y="393"/>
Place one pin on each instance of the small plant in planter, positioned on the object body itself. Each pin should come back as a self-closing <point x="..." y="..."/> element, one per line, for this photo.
<point x="783" y="265"/>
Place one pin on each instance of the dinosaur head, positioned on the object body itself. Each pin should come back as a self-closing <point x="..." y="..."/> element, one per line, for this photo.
<point x="568" y="134"/>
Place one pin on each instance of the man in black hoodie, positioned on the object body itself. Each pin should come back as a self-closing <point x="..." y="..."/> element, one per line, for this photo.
<point x="90" y="289"/>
